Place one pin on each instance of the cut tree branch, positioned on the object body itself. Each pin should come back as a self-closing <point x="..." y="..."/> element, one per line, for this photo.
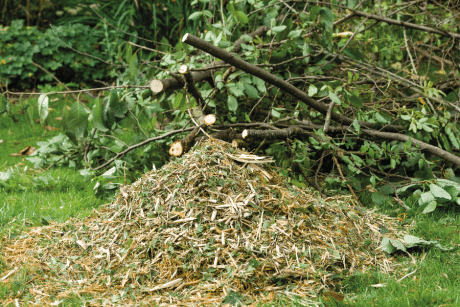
<point x="268" y="77"/>
<point x="159" y="86"/>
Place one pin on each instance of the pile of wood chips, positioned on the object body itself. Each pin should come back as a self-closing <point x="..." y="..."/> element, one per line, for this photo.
<point x="209" y="227"/>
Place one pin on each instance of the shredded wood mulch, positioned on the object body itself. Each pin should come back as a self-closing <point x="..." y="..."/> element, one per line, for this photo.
<point x="215" y="226"/>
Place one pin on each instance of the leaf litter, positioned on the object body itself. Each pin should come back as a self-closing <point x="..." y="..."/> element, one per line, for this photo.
<point x="215" y="226"/>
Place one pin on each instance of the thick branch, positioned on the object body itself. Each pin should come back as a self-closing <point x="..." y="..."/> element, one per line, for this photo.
<point x="386" y="74"/>
<point x="405" y="24"/>
<point x="268" y="77"/>
<point x="274" y="134"/>
<point x="178" y="148"/>
<point x="377" y="134"/>
<point x="404" y="138"/>
<point x="159" y="86"/>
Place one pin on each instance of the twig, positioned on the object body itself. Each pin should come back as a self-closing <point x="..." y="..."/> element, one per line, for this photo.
<point x="59" y="81"/>
<point x="415" y="69"/>
<point x="328" y="117"/>
<point x="318" y="187"/>
<point x="407" y="275"/>
<point x="147" y="40"/>
<point x="80" y="91"/>
<point x="85" y="157"/>
<point x="143" y="47"/>
<point x="191" y="116"/>
<point x="343" y="178"/>
<point x="124" y="152"/>
<point x="86" y="54"/>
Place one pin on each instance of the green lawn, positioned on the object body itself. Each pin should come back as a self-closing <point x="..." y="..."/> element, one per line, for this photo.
<point x="433" y="276"/>
<point x="36" y="194"/>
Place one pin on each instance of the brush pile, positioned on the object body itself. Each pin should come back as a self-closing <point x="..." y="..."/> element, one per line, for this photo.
<point x="207" y="228"/>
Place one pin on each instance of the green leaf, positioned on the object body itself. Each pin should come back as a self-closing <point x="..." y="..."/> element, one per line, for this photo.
<point x="356" y="125"/>
<point x="107" y="115"/>
<point x="314" y="12"/>
<point x="155" y="107"/>
<point x="386" y="246"/>
<point x="406" y="117"/>
<point x="327" y="16"/>
<point x="97" y="116"/>
<point x="452" y="137"/>
<point x="430" y="207"/>
<point x="236" y="89"/>
<point x="427" y="128"/>
<point x="43" y="108"/>
<point x="439" y="192"/>
<point x="279" y="29"/>
<point x="246" y="117"/>
<point x="195" y="15"/>
<point x="241" y="17"/>
<point x="295" y="34"/>
<point x="326" y="38"/>
<point x="426" y="198"/>
<point x="260" y="84"/>
<point x="355" y="101"/>
<point x="3" y="102"/>
<point x="453" y="191"/>
<point x="232" y="103"/>
<point x="275" y="113"/>
<point x="412" y="241"/>
<point x="230" y="7"/>
<point x="208" y="13"/>
<point x="371" y="153"/>
<point x="351" y="3"/>
<point x="312" y="90"/>
<point x="303" y="106"/>
<point x="251" y="91"/>
<point x="76" y="123"/>
<point x="133" y="67"/>
<point x="398" y="245"/>
<point x="380" y="118"/>
<point x="118" y="107"/>
<point x="390" y="246"/>
<point x="449" y="174"/>
<point x="335" y="98"/>
<point x="379" y="198"/>
<point x="234" y="298"/>
<point x="177" y="100"/>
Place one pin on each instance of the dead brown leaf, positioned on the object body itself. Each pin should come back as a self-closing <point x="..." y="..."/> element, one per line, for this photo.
<point x="58" y="118"/>
<point x="49" y="128"/>
<point x="24" y="152"/>
<point x="333" y="296"/>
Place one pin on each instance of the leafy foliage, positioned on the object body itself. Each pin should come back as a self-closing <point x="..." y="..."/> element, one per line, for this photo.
<point x="308" y="45"/>
<point x="21" y="46"/>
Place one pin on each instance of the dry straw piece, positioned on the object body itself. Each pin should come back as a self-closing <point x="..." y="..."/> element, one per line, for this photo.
<point x="213" y="222"/>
